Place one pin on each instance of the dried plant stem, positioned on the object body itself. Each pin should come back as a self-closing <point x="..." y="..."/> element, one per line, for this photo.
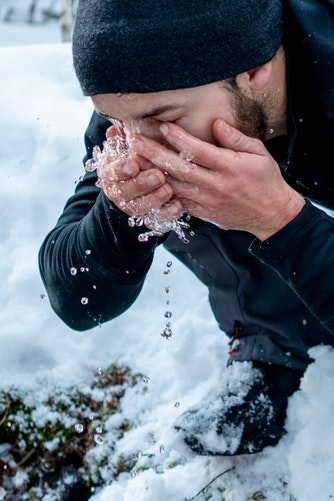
<point x="207" y="485"/>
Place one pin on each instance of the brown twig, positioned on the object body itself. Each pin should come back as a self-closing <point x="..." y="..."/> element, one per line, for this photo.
<point x="26" y="457"/>
<point x="5" y="415"/>
<point x="207" y="485"/>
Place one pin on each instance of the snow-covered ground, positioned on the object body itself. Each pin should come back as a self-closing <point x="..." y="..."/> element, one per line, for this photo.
<point x="42" y="121"/>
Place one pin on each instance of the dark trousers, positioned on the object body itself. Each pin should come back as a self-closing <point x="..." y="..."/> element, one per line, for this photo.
<point x="249" y="300"/>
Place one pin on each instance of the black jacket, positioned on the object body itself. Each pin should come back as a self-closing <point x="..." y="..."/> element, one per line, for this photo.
<point x="271" y="287"/>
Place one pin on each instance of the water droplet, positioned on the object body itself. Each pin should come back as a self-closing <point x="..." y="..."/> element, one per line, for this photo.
<point x="185" y="155"/>
<point x="146" y="379"/>
<point x="42" y="296"/>
<point x="74" y="270"/>
<point x="167" y="332"/>
<point x="99" y="429"/>
<point x="132" y="221"/>
<point x="84" y="300"/>
<point x="162" y="449"/>
<point x="168" y="314"/>
<point x="270" y="131"/>
<point x="167" y="289"/>
<point x="177" y="404"/>
<point x="169" y="264"/>
<point x="137" y="454"/>
<point x="98" y="439"/>
<point x="88" y="252"/>
<point x="91" y="165"/>
<point x="143" y="237"/>
<point x="98" y="374"/>
<point x="79" y="427"/>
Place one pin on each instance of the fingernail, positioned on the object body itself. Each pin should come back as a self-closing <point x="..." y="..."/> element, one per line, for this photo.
<point x="225" y="126"/>
<point x="162" y="192"/>
<point x="127" y="169"/>
<point x="173" y="209"/>
<point x="138" y="143"/>
<point x="153" y="180"/>
<point x="164" y="129"/>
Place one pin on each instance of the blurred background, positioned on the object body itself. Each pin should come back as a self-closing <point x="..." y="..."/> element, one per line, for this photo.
<point x="39" y="21"/>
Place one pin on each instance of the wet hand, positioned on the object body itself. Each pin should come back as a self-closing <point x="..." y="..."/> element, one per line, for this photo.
<point x="132" y="187"/>
<point x="235" y="184"/>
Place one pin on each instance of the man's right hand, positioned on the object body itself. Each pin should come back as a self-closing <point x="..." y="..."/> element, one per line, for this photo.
<point x="134" y="187"/>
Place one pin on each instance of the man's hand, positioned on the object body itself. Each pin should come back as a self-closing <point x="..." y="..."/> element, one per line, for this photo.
<point x="235" y="185"/>
<point x="132" y="187"/>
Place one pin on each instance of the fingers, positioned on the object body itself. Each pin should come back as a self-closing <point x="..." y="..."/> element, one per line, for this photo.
<point x="161" y="156"/>
<point x="117" y="169"/>
<point x="230" y="137"/>
<point x="160" y="201"/>
<point x="135" y="191"/>
<point x="189" y="157"/>
<point x="178" y="165"/>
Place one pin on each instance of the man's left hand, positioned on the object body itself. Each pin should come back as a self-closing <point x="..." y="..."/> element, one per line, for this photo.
<point x="235" y="184"/>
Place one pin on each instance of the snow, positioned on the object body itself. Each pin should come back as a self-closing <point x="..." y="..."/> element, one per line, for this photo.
<point x="43" y="118"/>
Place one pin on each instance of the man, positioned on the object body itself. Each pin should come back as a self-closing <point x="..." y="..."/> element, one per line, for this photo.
<point x="222" y="110"/>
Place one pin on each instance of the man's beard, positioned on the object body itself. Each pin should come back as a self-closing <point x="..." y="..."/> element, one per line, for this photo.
<point x="250" y="116"/>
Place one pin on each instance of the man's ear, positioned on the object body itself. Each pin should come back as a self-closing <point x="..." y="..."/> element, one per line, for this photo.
<point x="256" y="79"/>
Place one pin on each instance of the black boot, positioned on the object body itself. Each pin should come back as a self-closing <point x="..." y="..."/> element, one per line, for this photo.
<point x="246" y="416"/>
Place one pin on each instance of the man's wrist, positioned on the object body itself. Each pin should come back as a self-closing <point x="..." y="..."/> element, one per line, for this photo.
<point x="291" y="210"/>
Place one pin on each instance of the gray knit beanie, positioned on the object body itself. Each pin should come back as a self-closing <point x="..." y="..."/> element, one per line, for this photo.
<point x="123" y="46"/>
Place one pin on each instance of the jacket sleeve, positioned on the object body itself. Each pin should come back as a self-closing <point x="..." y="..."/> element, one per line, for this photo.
<point x="91" y="263"/>
<point x="302" y="254"/>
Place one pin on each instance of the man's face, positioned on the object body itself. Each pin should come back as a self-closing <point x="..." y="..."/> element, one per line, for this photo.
<point x="193" y="109"/>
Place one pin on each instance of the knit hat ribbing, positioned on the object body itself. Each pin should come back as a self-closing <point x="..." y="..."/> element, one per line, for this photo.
<point x="124" y="46"/>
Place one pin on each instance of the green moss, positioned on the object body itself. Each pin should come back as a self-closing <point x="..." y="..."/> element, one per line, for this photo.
<point x="53" y="437"/>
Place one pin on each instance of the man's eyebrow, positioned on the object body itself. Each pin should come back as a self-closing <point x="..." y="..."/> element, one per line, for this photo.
<point x="104" y="115"/>
<point x="155" y="111"/>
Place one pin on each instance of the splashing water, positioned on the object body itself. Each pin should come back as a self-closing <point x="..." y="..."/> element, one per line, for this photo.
<point x="157" y="227"/>
<point x="118" y="146"/>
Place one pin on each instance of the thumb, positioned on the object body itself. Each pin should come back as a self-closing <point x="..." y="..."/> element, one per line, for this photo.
<point x="229" y="137"/>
